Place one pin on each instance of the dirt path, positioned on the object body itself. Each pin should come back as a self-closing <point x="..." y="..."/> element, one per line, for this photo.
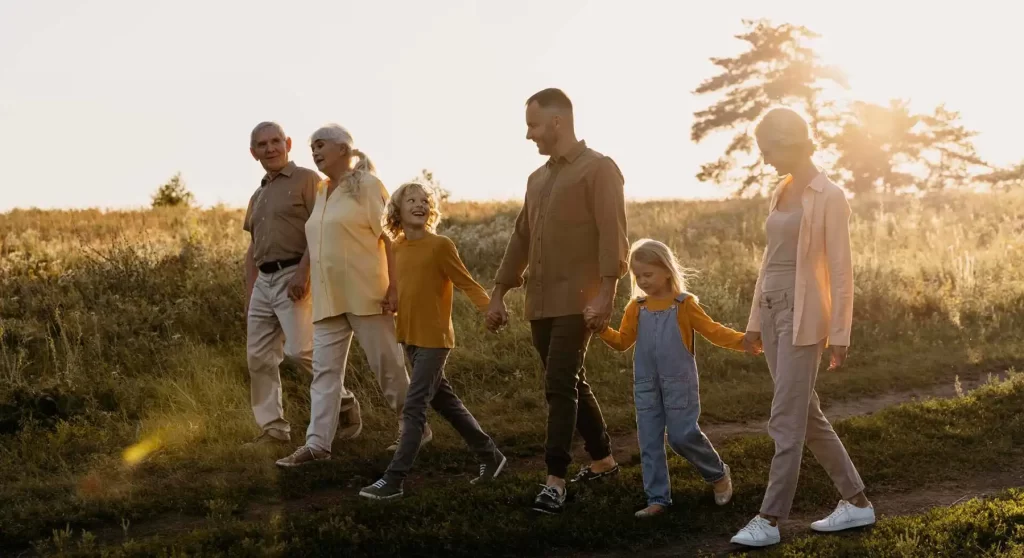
<point x="887" y="502"/>
<point x="857" y="407"/>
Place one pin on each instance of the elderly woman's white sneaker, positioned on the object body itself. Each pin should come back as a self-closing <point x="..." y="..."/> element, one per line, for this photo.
<point x="846" y="516"/>
<point x="759" y="532"/>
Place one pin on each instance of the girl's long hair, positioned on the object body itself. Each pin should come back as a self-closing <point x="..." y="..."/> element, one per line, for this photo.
<point x="653" y="252"/>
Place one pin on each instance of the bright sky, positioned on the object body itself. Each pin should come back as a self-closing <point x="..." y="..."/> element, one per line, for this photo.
<point x="102" y="101"/>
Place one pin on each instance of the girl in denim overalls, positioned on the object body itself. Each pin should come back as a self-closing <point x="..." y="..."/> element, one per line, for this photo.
<point x="662" y="321"/>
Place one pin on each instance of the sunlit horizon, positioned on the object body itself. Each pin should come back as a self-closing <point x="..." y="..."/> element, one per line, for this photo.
<point x="102" y="102"/>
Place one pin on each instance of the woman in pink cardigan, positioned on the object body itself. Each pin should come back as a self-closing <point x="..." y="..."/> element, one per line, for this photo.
<point x="803" y="303"/>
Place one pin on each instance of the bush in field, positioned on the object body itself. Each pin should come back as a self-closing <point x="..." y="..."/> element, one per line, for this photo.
<point x="173" y="194"/>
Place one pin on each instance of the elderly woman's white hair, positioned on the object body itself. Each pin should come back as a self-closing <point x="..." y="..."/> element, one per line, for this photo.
<point x="336" y="133"/>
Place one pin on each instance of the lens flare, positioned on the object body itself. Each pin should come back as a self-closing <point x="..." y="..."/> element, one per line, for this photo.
<point x="136" y="453"/>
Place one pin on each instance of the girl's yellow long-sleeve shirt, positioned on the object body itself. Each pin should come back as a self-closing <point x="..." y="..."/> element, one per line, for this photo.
<point x="691" y="318"/>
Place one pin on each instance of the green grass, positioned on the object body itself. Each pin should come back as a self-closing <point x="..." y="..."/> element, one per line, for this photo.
<point x="127" y="326"/>
<point x="979" y="433"/>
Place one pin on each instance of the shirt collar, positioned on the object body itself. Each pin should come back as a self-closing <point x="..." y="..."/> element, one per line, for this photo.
<point x="817" y="184"/>
<point x="286" y="171"/>
<point x="571" y="156"/>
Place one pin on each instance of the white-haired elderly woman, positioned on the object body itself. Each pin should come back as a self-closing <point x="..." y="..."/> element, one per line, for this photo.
<point x="354" y="293"/>
<point x="803" y="302"/>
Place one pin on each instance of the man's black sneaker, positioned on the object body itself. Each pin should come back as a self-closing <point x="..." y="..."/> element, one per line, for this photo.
<point x="587" y="475"/>
<point x="551" y="500"/>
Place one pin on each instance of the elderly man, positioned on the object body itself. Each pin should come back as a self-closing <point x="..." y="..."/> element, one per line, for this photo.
<point x="278" y="308"/>
<point x="571" y="233"/>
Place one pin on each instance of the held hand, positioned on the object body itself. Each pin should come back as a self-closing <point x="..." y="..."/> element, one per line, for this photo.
<point x="497" y="315"/>
<point x="390" y="303"/>
<point x="598" y="313"/>
<point x="298" y="287"/>
<point x="838" y="357"/>
<point x="752" y="344"/>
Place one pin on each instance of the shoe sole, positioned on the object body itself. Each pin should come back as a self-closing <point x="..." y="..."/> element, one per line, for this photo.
<point x="380" y="498"/>
<point x="294" y="465"/>
<point x="287" y="465"/>
<point x="345" y="435"/>
<point x="273" y="442"/>
<point x="545" y="511"/>
<point x="501" y="467"/>
<point x="756" y="544"/>
<point x="845" y="526"/>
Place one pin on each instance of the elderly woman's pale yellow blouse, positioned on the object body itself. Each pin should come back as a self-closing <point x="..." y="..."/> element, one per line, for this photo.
<point x="348" y="263"/>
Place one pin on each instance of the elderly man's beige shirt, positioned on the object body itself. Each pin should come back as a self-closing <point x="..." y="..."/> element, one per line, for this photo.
<point x="348" y="262"/>
<point x="277" y="213"/>
<point x="823" y="309"/>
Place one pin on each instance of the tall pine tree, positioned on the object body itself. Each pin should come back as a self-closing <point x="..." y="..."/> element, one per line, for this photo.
<point x="779" y="67"/>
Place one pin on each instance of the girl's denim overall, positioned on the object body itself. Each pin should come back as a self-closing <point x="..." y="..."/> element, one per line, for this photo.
<point x="667" y="397"/>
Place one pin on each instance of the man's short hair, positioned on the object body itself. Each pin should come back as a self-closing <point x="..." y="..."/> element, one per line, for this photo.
<point x="259" y="127"/>
<point x="551" y="98"/>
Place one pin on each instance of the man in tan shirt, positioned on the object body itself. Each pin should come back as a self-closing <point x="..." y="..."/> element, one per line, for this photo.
<point x="278" y="308"/>
<point x="571" y="235"/>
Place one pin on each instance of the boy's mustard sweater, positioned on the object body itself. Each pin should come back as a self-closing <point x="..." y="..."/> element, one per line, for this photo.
<point x="428" y="268"/>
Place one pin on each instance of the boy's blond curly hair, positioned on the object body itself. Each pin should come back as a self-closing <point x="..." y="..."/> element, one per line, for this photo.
<point x="393" y="213"/>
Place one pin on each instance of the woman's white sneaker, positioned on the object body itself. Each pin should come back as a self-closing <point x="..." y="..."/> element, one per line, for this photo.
<point x="846" y="516"/>
<point x="759" y="532"/>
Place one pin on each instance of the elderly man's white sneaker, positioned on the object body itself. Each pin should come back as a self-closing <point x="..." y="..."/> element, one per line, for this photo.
<point x="759" y="532"/>
<point x="846" y="516"/>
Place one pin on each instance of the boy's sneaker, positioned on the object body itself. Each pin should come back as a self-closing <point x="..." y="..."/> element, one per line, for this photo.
<point x="428" y="435"/>
<point x="489" y="471"/>
<point x="846" y="516"/>
<point x="586" y="474"/>
<point x="303" y="456"/>
<point x="551" y="500"/>
<point x="350" y="420"/>
<point x="382" y="490"/>
<point x="759" y="532"/>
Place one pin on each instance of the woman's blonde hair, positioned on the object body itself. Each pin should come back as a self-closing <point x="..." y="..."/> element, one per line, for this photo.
<point x="785" y="126"/>
<point x="653" y="252"/>
<point x="337" y="134"/>
<point x="393" y="212"/>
